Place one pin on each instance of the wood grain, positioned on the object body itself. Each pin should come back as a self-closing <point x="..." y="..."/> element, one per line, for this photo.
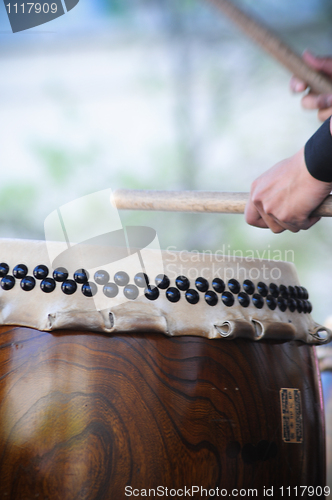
<point x="193" y="201"/>
<point x="84" y="415"/>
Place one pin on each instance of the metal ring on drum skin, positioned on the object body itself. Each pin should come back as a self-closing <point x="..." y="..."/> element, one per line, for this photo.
<point x="229" y="329"/>
<point x="320" y="334"/>
<point x="255" y="329"/>
<point x="225" y="330"/>
<point x="259" y="329"/>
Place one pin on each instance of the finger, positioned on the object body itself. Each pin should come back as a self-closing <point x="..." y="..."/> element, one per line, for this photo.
<point x="256" y="215"/>
<point x="269" y="219"/>
<point x="309" y="101"/>
<point x="314" y="101"/>
<point x="288" y="226"/>
<point x="259" y="223"/>
<point x="296" y="226"/>
<point x="324" y="114"/>
<point x="312" y="221"/>
<point x="297" y="85"/>
<point x="253" y="217"/>
<point x="319" y="63"/>
<point x="273" y="224"/>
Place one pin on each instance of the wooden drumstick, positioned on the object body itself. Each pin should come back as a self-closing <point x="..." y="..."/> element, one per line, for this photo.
<point x="270" y="42"/>
<point x="193" y="201"/>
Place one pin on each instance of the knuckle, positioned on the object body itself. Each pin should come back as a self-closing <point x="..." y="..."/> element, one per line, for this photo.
<point x="324" y="101"/>
<point x="269" y="209"/>
<point x="321" y="101"/>
<point x="256" y="199"/>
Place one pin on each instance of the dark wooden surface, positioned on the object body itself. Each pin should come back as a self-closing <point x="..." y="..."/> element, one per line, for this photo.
<point x="84" y="415"/>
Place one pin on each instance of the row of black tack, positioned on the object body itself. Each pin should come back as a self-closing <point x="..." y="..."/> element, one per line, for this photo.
<point x="294" y="298"/>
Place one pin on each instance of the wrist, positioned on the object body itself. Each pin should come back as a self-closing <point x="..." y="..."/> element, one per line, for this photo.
<point x="318" y="153"/>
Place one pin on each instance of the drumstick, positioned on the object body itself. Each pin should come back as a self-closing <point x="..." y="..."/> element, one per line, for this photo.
<point x="270" y="42"/>
<point x="193" y="201"/>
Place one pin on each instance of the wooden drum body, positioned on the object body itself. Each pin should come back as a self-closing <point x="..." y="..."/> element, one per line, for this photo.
<point x="84" y="416"/>
<point x="112" y="414"/>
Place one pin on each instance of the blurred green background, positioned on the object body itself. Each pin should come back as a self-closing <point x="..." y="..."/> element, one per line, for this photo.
<point x="158" y="94"/>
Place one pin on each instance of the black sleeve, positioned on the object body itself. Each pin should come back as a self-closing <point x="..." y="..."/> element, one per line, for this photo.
<point x="318" y="153"/>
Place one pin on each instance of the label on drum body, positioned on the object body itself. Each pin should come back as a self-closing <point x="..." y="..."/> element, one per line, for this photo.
<point x="291" y="415"/>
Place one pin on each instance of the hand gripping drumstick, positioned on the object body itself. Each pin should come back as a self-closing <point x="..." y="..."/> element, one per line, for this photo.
<point x="213" y="201"/>
<point x="274" y="46"/>
<point x="193" y="201"/>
